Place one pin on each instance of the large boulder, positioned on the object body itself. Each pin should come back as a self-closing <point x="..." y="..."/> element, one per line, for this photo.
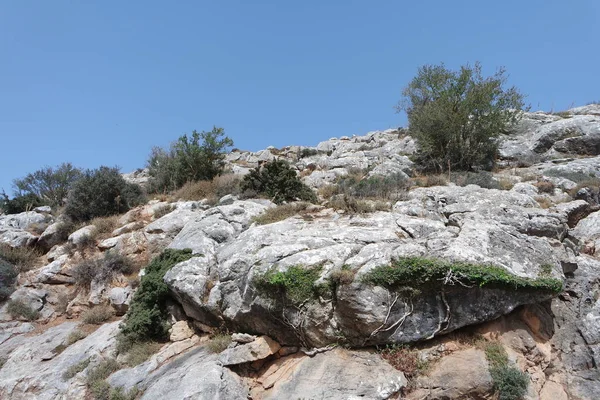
<point x="453" y="223"/>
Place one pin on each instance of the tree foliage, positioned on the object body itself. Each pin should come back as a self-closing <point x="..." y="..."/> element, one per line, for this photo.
<point x="49" y="184"/>
<point x="279" y="181"/>
<point x="102" y="192"/>
<point x="456" y="116"/>
<point x="19" y="203"/>
<point x="191" y="158"/>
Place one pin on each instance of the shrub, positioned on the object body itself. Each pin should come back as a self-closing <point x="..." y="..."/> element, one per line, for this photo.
<point x="163" y="210"/>
<point x="277" y="180"/>
<point x="8" y="275"/>
<point x="294" y="286"/>
<point x="404" y="359"/>
<point x="482" y="179"/>
<point x="212" y="190"/>
<point x="545" y="187"/>
<point x="575" y="176"/>
<point x="23" y="258"/>
<point x="351" y="205"/>
<point x="218" y="343"/>
<point x="456" y="116"/>
<point x="189" y="159"/>
<point x="96" y="378"/>
<point x="308" y="152"/>
<point x="19" y="203"/>
<point x="431" y="180"/>
<point x="100" y="193"/>
<point x="105" y="225"/>
<point x="356" y="184"/>
<point x="102" y="269"/>
<point x="50" y="185"/>
<point x="75" y="336"/>
<point x="279" y="213"/>
<point x="18" y="309"/>
<point x="509" y="382"/>
<point x="146" y="318"/>
<point x="417" y="271"/>
<point x="140" y="352"/>
<point x="343" y="276"/>
<point x="75" y="369"/>
<point x="97" y="315"/>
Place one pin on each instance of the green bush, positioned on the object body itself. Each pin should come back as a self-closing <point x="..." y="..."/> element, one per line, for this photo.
<point x="308" y="152"/>
<point x="100" y="193"/>
<point x="102" y="269"/>
<point x="295" y="286"/>
<point x="456" y="116"/>
<point x="391" y="187"/>
<point x="19" y="203"/>
<point x="8" y="274"/>
<point x="417" y="271"/>
<point x="146" y="318"/>
<point x="189" y="159"/>
<point x="277" y="180"/>
<point x="18" y="309"/>
<point x="50" y="185"/>
<point x="509" y="382"/>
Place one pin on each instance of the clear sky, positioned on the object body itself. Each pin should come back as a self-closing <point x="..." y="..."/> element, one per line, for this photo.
<point x="101" y="82"/>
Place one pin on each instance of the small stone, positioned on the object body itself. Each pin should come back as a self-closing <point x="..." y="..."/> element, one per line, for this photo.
<point x="242" y="338"/>
<point x="259" y="349"/>
<point x="180" y="331"/>
<point x="287" y="350"/>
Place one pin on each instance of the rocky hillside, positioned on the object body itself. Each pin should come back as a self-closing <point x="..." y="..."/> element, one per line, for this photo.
<point x="457" y="286"/>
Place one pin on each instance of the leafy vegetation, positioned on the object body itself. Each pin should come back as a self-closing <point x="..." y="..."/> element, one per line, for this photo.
<point x="102" y="269"/>
<point x="509" y="382"/>
<point x="295" y="285"/>
<point x="75" y="369"/>
<point x="189" y="159"/>
<point x="456" y="116"/>
<point x="277" y="180"/>
<point x="281" y="212"/>
<point x="307" y="152"/>
<point x="140" y="352"/>
<point x="358" y="185"/>
<point x="97" y="315"/>
<point x="8" y="274"/>
<point x="100" y="193"/>
<point x="19" y="203"/>
<point x="19" y="309"/>
<point x="417" y="271"/>
<point x="218" y="343"/>
<point x="146" y="318"/>
<point x="50" y="185"/>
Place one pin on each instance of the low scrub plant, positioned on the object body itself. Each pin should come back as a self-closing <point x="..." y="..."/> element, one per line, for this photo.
<point x="19" y="203"/>
<point x="218" y="343"/>
<point x="545" y="187"/>
<point x="96" y="379"/>
<point x="575" y="176"/>
<point x="417" y="271"/>
<point x="281" y="212"/>
<point x="146" y="318"/>
<point x="431" y="180"/>
<point x="18" y="309"/>
<point x="307" y="152"/>
<point x="212" y="190"/>
<point x="296" y="285"/>
<point x="163" y="210"/>
<point x="352" y="205"/>
<point x="97" y="315"/>
<point x="105" y="225"/>
<point x="404" y="359"/>
<point x="8" y="275"/>
<point x="510" y="383"/>
<point x="75" y="369"/>
<point x="102" y="269"/>
<point x="23" y="258"/>
<point x="357" y="185"/>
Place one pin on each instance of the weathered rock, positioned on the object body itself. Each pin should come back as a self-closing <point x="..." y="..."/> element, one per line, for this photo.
<point x="258" y="349"/>
<point x="242" y="338"/>
<point x="587" y="231"/>
<point x="338" y="374"/>
<point x="25" y="354"/>
<point x="171" y="223"/>
<point x="119" y="298"/>
<point x="180" y="331"/>
<point x="82" y="235"/>
<point x="53" y="273"/>
<point x="462" y="375"/>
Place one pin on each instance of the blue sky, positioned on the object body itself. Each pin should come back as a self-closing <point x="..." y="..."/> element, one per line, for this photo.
<point x="101" y="82"/>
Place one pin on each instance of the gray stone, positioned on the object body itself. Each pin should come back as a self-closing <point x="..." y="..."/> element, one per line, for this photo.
<point x="120" y="298"/>
<point x="242" y="338"/>
<point x="338" y="374"/>
<point x="81" y="235"/>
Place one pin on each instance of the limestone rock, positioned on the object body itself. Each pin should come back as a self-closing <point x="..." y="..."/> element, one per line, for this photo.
<point x="258" y="349"/>
<point x="81" y="235"/>
<point x="180" y="331"/>
<point x="338" y="374"/>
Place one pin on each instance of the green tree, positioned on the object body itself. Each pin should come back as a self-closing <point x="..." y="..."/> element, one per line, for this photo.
<point x="19" y="203"/>
<point x="49" y="184"/>
<point x="102" y="192"/>
<point x="199" y="156"/>
<point x="457" y="116"/>
<point x="279" y="181"/>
